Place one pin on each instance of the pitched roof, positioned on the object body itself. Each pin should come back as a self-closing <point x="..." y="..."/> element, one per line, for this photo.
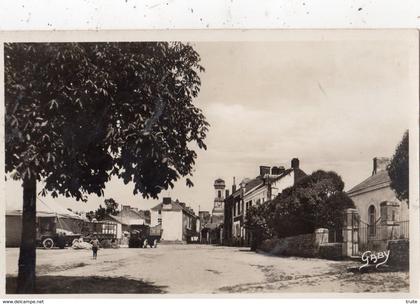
<point x="175" y="207"/>
<point x="258" y="182"/>
<point x="299" y="174"/>
<point x="45" y="208"/>
<point x="254" y="183"/>
<point x="126" y="220"/>
<point x="376" y="181"/>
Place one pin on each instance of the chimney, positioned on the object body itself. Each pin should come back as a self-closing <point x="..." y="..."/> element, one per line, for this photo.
<point x="295" y="163"/>
<point x="167" y="200"/>
<point x="126" y="208"/>
<point x="264" y="170"/>
<point x="233" y="185"/>
<point x="379" y="164"/>
<point x="226" y="193"/>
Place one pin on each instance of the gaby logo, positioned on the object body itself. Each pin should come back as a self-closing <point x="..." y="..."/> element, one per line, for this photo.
<point x="370" y="257"/>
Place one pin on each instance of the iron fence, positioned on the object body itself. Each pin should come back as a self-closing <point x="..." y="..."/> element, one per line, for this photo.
<point x="377" y="235"/>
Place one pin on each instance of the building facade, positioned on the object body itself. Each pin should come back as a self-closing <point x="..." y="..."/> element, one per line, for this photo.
<point x="128" y="219"/>
<point x="219" y="199"/>
<point x="266" y="186"/>
<point x="178" y="221"/>
<point x="381" y="215"/>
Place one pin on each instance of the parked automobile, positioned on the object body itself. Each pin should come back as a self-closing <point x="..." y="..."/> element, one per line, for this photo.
<point x="59" y="240"/>
<point x="145" y="236"/>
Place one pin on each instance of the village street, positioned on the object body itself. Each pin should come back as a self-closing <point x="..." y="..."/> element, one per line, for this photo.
<point x="196" y="269"/>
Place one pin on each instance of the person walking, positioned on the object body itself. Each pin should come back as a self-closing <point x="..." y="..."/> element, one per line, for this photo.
<point x="95" y="247"/>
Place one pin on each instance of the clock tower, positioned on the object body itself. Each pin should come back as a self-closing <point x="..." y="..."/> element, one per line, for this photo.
<point x="219" y="198"/>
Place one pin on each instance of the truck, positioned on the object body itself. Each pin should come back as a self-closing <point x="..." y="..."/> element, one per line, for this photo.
<point x="49" y="234"/>
<point x="143" y="235"/>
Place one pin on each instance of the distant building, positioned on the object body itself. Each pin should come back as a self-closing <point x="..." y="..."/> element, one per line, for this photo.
<point x="211" y="230"/>
<point x="219" y="198"/>
<point x="178" y="221"/>
<point x="381" y="214"/>
<point x="266" y="186"/>
<point x="128" y="219"/>
<point x="204" y="217"/>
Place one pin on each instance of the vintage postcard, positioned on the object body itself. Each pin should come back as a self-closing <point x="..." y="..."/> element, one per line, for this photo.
<point x="208" y="163"/>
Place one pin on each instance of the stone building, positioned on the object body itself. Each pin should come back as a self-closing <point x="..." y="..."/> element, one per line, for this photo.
<point x="219" y="198"/>
<point x="381" y="215"/>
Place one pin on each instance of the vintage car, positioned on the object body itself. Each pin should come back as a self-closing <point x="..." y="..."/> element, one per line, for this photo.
<point x="144" y="236"/>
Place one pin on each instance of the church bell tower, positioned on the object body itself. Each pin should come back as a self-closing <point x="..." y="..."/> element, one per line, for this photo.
<point x="219" y="198"/>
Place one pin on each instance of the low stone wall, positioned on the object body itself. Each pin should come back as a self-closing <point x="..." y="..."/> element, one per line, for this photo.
<point x="331" y="251"/>
<point x="300" y="245"/>
<point x="399" y="255"/>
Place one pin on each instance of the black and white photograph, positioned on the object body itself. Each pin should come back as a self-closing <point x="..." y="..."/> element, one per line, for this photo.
<point x="251" y="163"/>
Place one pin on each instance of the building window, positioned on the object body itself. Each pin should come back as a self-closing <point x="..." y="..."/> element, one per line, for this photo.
<point x="219" y="194"/>
<point x="242" y="207"/>
<point x="160" y="212"/>
<point x="372" y="220"/>
<point x="109" y="229"/>
<point x="159" y="221"/>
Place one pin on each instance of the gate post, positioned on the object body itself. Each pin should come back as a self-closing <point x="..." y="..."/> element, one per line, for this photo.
<point x="389" y="212"/>
<point x="350" y="233"/>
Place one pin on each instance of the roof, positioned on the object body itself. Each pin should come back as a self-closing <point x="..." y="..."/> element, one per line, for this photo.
<point x="254" y="183"/>
<point x="299" y="174"/>
<point x="175" y="207"/>
<point x="376" y="181"/>
<point x="258" y="182"/>
<point x="127" y="221"/>
<point x="46" y="209"/>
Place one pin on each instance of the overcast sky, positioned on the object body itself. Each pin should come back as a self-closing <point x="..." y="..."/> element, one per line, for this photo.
<point x="333" y="104"/>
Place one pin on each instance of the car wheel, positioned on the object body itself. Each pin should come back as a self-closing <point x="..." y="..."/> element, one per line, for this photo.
<point x="48" y="243"/>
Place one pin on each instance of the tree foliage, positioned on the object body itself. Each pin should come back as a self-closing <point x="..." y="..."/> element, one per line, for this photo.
<point x="77" y="113"/>
<point x="398" y="169"/>
<point x="111" y="208"/>
<point x="316" y="201"/>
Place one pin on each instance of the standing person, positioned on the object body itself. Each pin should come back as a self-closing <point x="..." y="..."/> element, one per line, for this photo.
<point x="95" y="247"/>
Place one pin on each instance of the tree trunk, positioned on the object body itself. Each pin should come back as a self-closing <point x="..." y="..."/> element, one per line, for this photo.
<point x="27" y="254"/>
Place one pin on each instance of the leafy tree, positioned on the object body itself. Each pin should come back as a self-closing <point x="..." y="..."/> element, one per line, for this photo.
<point x="398" y="170"/>
<point x="90" y="215"/>
<point x="100" y="213"/>
<point x="258" y="221"/>
<point x="111" y="206"/>
<point x="316" y="201"/>
<point x="78" y="113"/>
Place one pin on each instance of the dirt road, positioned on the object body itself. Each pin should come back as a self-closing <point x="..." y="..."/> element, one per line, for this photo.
<point x="195" y="269"/>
